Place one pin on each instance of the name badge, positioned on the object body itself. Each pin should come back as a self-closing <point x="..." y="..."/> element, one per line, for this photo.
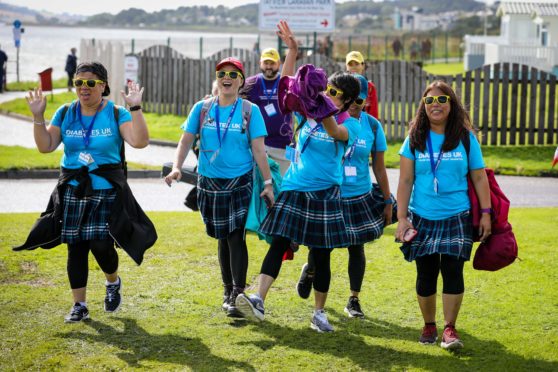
<point x="350" y="174"/>
<point x="270" y="110"/>
<point x="85" y="158"/>
<point x="292" y="154"/>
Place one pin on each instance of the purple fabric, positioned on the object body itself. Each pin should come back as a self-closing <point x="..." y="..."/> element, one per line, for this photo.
<point x="304" y="93"/>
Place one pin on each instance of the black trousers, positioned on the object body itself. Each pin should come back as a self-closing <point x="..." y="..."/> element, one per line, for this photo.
<point x="78" y="260"/>
<point x="428" y="268"/>
<point x="233" y="260"/>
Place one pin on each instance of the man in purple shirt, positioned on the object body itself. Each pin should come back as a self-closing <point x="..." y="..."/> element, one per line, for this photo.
<point x="261" y="89"/>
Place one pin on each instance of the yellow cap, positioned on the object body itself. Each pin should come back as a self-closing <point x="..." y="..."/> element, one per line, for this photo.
<point x="270" y="54"/>
<point x="354" y="56"/>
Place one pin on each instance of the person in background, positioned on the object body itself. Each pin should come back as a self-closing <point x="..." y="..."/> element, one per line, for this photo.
<point x="354" y="62"/>
<point x="433" y="205"/>
<point x="228" y="147"/>
<point x="3" y="63"/>
<point x="261" y="89"/>
<point x="71" y="65"/>
<point x="397" y="47"/>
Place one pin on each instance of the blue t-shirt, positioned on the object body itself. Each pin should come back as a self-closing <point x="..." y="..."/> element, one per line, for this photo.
<point x="104" y="143"/>
<point x="234" y="157"/>
<point x="319" y="167"/>
<point x="452" y="197"/>
<point x="359" y="158"/>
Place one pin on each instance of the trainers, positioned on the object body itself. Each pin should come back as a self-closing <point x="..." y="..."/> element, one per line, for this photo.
<point x="232" y="310"/>
<point x="113" y="300"/>
<point x="304" y="285"/>
<point x="450" y="338"/>
<point x="429" y="335"/>
<point x="251" y="307"/>
<point x="320" y="323"/>
<point x="353" y="308"/>
<point x="226" y="298"/>
<point x="77" y="314"/>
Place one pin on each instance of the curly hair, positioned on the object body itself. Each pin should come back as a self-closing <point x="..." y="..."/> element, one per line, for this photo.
<point x="458" y="125"/>
<point x="348" y="84"/>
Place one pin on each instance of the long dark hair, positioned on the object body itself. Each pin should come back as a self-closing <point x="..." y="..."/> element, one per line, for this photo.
<point x="348" y="84"/>
<point x="99" y="70"/>
<point x="458" y="125"/>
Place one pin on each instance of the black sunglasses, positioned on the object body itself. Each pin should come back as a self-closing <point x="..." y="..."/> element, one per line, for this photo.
<point x="359" y="101"/>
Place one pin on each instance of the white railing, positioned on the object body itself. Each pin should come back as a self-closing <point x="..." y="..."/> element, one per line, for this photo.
<point x="542" y="58"/>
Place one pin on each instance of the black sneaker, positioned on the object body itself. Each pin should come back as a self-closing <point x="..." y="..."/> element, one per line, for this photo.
<point x="226" y="298"/>
<point x="233" y="311"/>
<point x="113" y="300"/>
<point x="304" y="285"/>
<point x="353" y="308"/>
<point x="77" y="314"/>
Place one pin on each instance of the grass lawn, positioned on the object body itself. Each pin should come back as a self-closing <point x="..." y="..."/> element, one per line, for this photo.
<point x="444" y="68"/>
<point x="171" y="317"/>
<point x="29" y="85"/>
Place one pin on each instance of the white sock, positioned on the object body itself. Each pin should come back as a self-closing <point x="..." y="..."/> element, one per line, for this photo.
<point x="83" y="303"/>
<point x="112" y="283"/>
<point x="318" y="311"/>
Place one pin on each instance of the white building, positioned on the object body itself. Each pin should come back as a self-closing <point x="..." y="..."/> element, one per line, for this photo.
<point x="528" y="35"/>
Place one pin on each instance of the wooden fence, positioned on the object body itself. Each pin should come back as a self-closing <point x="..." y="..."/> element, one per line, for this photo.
<point x="508" y="103"/>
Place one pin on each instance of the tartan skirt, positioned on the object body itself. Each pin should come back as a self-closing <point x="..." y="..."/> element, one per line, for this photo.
<point x="223" y="203"/>
<point x="314" y="218"/>
<point x="364" y="218"/>
<point x="452" y="236"/>
<point x="87" y="218"/>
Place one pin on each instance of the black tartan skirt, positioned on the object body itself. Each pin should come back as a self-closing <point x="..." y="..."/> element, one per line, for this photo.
<point x="364" y="218"/>
<point x="223" y="203"/>
<point x="87" y="218"/>
<point x="452" y="236"/>
<point x="314" y="218"/>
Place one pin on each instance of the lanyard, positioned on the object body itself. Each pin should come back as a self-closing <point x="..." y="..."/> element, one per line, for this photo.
<point x="307" y="142"/>
<point x="86" y="132"/>
<point x="350" y="152"/>
<point x="273" y="90"/>
<point x="433" y="166"/>
<point x="218" y="123"/>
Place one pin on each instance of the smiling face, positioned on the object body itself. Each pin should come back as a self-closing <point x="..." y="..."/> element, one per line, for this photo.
<point x="355" y="109"/>
<point x="436" y="112"/>
<point x="355" y="67"/>
<point x="89" y="96"/>
<point x="269" y="69"/>
<point x="228" y="86"/>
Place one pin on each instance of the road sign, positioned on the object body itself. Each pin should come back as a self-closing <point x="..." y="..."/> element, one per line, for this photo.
<point x="131" y="69"/>
<point x="302" y="15"/>
<point x="17" y="31"/>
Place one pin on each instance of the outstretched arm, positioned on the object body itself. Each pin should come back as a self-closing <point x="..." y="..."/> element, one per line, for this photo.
<point x="286" y="35"/>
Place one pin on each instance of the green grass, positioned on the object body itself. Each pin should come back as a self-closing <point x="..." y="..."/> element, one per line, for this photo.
<point x="21" y="158"/>
<point x="171" y="317"/>
<point x="444" y="68"/>
<point x="30" y="85"/>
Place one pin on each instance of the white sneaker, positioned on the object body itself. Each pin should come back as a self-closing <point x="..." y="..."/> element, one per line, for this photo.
<point x="320" y="323"/>
<point x="250" y="307"/>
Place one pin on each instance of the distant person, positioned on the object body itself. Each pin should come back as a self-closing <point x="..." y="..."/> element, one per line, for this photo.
<point x="426" y="47"/>
<point x="3" y="63"/>
<point x="397" y="47"/>
<point x="71" y="65"/>
<point x="261" y="89"/>
<point x="256" y="48"/>
<point x="414" y="50"/>
<point x="354" y="62"/>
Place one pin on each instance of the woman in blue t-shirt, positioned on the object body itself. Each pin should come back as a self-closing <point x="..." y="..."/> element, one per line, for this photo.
<point x="92" y="139"/>
<point x="308" y="209"/>
<point x="226" y="161"/>
<point x="365" y="212"/>
<point x="433" y="204"/>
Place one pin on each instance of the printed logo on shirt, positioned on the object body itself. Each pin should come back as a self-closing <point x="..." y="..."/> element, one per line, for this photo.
<point x="234" y="127"/>
<point x="361" y="142"/>
<point x="451" y="156"/>
<point x="104" y="132"/>
<point x="318" y="135"/>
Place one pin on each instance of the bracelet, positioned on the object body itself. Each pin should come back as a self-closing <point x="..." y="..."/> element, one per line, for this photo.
<point x="268" y="182"/>
<point x="388" y="201"/>
<point x="486" y="210"/>
<point x="39" y="122"/>
<point x="135" y="108"/>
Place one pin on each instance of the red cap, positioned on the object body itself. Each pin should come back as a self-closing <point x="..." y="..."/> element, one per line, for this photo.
<point x="233" y="62"/>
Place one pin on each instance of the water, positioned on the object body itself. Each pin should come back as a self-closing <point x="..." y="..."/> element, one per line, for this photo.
<point x="44" y="47"/>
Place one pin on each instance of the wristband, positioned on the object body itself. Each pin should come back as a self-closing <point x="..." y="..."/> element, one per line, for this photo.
<point x="388" y="201"/>
<point x="135" y="108"/>
<point x="39" y="122"/>
<point x="268" y="182"/>
<point x="486" y="210"/>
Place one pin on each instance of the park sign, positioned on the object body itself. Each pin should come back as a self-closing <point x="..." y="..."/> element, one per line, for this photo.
<point x="302" y="15"/>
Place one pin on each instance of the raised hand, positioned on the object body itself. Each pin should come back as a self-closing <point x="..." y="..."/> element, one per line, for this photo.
<point x="36" y="102"/>
<point x="286" y="35"/>
<point x="134" y="96"/>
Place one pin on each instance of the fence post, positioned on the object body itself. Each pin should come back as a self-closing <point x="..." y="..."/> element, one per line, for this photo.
<point x="447" y="47"/>
<point x="168" y="41"/>
<point x="133" y="45"/>
<point x="368" y="52"/>
<point x="433" y="46"/>
<point x="385" y="47"/>
<point x="403" y="47"/>
<point x="201" y="47"/>
<point x="350" y="43"/>
<point x="314" y="46"/>
<point x="231" y="43"/>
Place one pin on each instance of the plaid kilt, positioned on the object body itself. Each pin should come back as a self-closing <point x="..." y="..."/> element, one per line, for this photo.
<point x="314" y="219"/>
<point x="452" y="236"/>
<point x="364" y="218"/>
<point x="223" y="203"/>
<point x="87" y="218"/>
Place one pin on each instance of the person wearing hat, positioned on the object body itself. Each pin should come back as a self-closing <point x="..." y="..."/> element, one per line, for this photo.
<point x="365" y="212"/>
<point x="261" y="89"/>
<point x="92" y="201"/>
<point x="354" y="62"/>
<point x="229" y="144"/>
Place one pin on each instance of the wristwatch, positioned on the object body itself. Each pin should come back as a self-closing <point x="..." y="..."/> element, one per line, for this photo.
<point x="268" y="182"/>
<point x="388" y="201"/>
<point x="135" y="108"/>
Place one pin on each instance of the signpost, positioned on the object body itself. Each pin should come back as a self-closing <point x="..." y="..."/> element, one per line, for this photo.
<point x="131" y="69"/>
<point x="17" y="31"/>
<point x="302" y="15"/>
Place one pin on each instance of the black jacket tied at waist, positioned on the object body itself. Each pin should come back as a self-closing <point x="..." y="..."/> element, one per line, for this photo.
<point x="129" y="226"/>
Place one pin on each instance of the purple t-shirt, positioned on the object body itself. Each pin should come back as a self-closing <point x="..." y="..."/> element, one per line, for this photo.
<point x="278" y="131"/>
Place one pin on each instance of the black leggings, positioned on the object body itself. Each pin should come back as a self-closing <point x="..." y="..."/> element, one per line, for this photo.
<point x="78" y="260"/>
<point x="319" y="260"/>
<point x="357" y="265"/>
<point x="428" y="268"/>
<point x="233" y="259"/>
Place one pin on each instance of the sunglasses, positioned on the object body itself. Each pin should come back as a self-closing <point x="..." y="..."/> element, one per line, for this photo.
<point x="359" y="101"/>
<point x="232" y="74"/>
<point x="89" y="82"/>
<point x="431" y="99"/>
<point x="333" y="92"/>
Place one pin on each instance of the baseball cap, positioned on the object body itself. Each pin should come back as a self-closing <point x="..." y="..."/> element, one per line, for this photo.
<point x="233" y="62"/>
<point x="354" y="56"/>
<point x="363" y="83"/>
<point x="270" y="54"/>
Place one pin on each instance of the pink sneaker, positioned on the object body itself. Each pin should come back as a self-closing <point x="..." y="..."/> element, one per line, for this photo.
<point x="429" y="335"/>
<point x="450" y="338"/>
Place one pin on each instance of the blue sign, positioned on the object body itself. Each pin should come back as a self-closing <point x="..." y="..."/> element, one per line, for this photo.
<point x="17" y="23"/>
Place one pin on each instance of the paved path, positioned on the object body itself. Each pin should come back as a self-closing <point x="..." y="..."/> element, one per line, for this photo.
<point x="31" y="195"/>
